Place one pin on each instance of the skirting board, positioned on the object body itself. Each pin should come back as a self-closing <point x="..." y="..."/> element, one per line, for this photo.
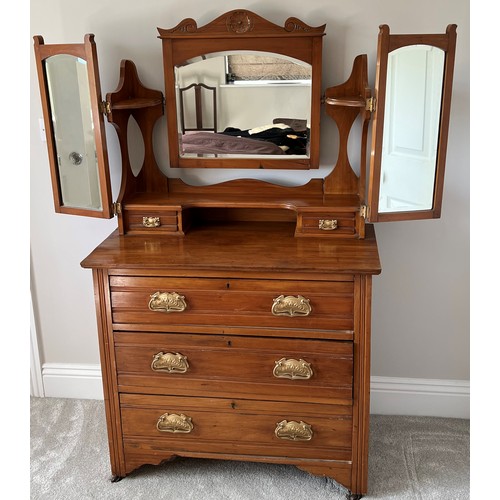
<point x="389" y="395"/>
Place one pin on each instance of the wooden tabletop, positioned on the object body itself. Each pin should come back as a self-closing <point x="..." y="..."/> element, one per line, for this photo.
<point x="268" y="247"/>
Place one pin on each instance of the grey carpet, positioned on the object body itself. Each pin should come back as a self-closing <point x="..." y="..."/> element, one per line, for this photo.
<point x="419" y="458"/>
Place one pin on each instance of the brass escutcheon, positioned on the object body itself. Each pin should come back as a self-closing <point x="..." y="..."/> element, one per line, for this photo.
<point x="171" y="422"/>
<point x="292" y="369"/>
<point x="328" y="224"/>
<point x="167" y="302"/>
<point x="151" y="222"/>
<point x="291" y="306"/>
<point x="293" y="431"/>
<point x="170" y="362"/>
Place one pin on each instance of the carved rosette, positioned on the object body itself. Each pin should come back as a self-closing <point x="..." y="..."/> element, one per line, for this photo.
<point x="239" y="22"/>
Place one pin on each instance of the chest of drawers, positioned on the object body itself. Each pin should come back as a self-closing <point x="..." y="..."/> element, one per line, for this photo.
<point x="233" y="343"/>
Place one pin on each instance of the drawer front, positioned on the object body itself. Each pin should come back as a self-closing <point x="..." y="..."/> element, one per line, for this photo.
<point x="342" y="224"/>
<point x="238" y="426"/>
<point x="233" y="302"/>
<point x="248" y="367"/>
<point x="150" y="221"/>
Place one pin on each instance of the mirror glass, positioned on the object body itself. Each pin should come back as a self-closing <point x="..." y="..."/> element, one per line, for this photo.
<point x="411" y="128"/>
<point x="243" y="104"/>
<point x="74" y="140"/>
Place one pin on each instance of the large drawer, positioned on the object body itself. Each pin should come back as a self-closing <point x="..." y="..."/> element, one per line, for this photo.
<point x="182" y="425"/>
<point x="164" y="301"/>
<point x="246" y="367"/>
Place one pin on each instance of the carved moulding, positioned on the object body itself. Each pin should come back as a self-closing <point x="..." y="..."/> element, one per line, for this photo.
<point x="242" y="22"/>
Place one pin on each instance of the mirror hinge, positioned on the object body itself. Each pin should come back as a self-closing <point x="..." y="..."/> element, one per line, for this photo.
<point x="363" y="211"/>
<point x="370" y="104"/>
<point x="106" y="107"/>
<point x="117" y="208"/>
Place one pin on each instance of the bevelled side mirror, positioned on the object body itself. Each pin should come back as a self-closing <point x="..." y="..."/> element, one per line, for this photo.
<point x="71" y="100"/>
<point x="410" y="127"/>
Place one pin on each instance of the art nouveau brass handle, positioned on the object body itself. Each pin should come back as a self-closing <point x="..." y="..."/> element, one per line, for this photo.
<point x="291" y="306"/>
<point x="171" y="422"/>
<point x="327" y="224"/>
<point x="167" y="302"/>
<point x="292" y="369"/>
<point x="169" y="362"/>
<point x="151" y="222"/>
<point x="293" y="431"/>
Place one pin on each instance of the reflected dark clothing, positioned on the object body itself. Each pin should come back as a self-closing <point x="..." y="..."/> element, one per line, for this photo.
<point x="295" y="142"/>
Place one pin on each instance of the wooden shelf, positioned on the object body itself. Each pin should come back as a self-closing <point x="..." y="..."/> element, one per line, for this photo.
<point x="136" y="103"/>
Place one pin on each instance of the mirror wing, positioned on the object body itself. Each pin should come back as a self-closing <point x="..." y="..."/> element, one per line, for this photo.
<point x="70" y="91"/>
<point x="410" y="126"/>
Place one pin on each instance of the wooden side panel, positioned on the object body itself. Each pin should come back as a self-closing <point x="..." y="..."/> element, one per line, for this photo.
<point x="110" y="389"/>
<point x="361" y="406"/>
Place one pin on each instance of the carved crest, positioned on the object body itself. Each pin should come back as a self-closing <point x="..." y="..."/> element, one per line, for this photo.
<point x="241" y="22"/>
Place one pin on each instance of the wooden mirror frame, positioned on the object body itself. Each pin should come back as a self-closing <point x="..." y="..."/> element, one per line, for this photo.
<point x="86" y="51"/>
<point x="386" y="44"/>
<point x="242" y="30"/>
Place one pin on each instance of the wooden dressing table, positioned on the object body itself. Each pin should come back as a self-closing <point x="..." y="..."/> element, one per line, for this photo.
<point x="234" y="319"/>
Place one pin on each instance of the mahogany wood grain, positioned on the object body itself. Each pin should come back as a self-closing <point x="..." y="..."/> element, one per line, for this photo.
<point x="239" y="426"/>
<point x="109" y="377"/>
<point x="361" y="386"/>
<point x="339" y="106"/>
<point x="231" y="366"/>
<point x="133" y="101"/>
<point x="233" y="248"/>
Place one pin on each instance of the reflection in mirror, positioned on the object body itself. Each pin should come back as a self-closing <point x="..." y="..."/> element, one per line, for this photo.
<point x="71" y="114"/>
<point x="411" y="128"/>
<point x="243" y="103"/>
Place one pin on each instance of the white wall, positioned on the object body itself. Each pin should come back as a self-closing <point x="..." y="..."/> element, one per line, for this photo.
<point x="421" y="299"/>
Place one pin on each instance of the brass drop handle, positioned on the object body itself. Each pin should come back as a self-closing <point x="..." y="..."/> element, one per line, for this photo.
<point x="170" y="362"/>
<point x="292" y="369"/>
<point x="293" y="431"/>
<point x="291" y="306"/>
<point x="172" y="422"/>
<point x="328" y="224"/>
<point x="151" y="222"/>
<point x="167" y="302"/>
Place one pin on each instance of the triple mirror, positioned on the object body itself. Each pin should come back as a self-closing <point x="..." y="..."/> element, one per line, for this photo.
<point x="231" y="103"/>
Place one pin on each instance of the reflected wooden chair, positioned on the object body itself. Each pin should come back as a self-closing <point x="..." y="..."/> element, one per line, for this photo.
<point x="199" y="90"/>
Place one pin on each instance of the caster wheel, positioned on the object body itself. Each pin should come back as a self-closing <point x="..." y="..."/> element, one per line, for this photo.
<point x="355" y="496"/>
<point x="116" y="479"/>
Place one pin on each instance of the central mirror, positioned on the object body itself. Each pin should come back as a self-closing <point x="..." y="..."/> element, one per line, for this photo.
<point x="242" y="92"/>
<point x="243" y="104"/>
